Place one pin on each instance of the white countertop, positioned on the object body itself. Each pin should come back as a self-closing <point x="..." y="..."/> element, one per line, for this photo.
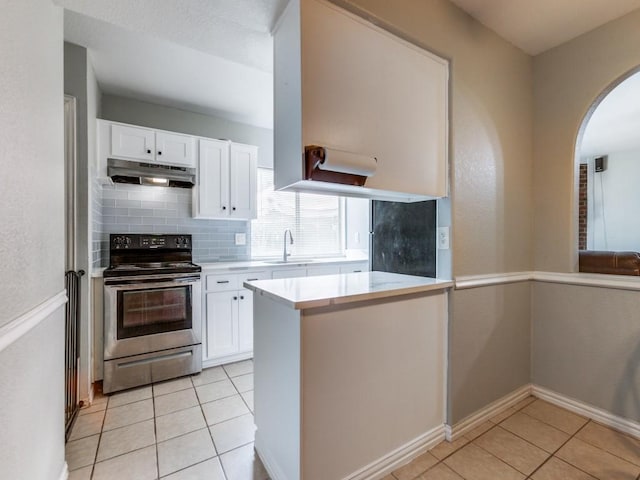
<point x="313" y="292"/>
<point x="253" y="264"/>
<point x="259" y="264"/>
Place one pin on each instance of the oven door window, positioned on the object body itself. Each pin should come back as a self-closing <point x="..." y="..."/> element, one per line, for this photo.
<point x="154" y="310"/>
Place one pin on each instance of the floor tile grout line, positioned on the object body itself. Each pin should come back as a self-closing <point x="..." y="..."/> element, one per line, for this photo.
<point x="95" y="458"/>
<point x="155" y="431"/>
<point x="215" y="448"/>
<point x="129" y="424"/>
<point x="189" y="466"/>
<point x="604" y="450"/>
<point x="563" y="409"/>
<point x="153" y="397"/>
<point x="559" y="448"/>
<point x="478" y="446"/>
<point x="597" y="447"/>
<point x="549" y="455"/>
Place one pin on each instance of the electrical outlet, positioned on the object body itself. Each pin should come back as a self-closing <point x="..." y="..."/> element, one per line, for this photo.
<point x="241" y="238"/>
<point x="443" y="238"/>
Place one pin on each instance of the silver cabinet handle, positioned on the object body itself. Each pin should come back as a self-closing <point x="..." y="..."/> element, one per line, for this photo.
<point x="222" y="281"/>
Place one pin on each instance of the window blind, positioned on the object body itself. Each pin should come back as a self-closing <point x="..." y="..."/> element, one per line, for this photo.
<point x="314" y="220"/>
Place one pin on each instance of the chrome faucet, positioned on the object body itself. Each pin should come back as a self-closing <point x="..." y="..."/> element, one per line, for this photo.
<point x="284" y="251"/>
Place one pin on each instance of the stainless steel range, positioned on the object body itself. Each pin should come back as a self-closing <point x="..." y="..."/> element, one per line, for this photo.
<point x="152" y="322"/>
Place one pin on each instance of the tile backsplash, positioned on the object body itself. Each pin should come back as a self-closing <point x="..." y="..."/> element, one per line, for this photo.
<point x="148" y="209"/>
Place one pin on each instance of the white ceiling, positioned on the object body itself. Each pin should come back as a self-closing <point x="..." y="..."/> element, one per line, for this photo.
<point x="215" y="56"/>
<point x="208" y="56"/>
<point x="538" y="25"/>
<point x="615" y="123"/>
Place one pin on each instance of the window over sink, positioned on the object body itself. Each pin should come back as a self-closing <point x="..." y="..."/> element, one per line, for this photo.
<point x="316" y="221"/>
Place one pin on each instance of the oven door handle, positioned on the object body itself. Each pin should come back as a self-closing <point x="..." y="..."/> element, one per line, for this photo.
<point x="149" y="282"/>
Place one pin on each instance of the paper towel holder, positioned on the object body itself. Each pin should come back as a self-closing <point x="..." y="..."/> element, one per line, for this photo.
<point x="314" y="156"/>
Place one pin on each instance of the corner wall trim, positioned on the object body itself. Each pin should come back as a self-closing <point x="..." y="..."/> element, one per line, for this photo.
<point x="473" y="281"/>
<point x="620" y="282"/>
<point x="484" y="414"/>
<point x="64" y="474"/>
<point x="594" y="413"/>
<point x="18" y="327"/>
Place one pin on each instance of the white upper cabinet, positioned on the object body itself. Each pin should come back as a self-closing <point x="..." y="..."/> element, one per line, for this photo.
<point x="175" y="149"/>
<point x="226" y="186"/>
<point x="344" y="83"/>
<point x="242" y="179"/>
<point x="211" y="194"/>
<point x="131" y="142"/>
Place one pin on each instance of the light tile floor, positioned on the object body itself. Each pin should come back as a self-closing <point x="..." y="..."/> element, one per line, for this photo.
<point x="201" y="427"/>
<point x="533" y="440"/>
<point x="197" y="427"/>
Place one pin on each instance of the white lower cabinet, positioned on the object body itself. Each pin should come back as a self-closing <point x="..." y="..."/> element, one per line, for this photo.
<point x="229" y="317"/>
<point x="228" y="307"/>
<point x="245" y="320"/>
<point x="222" y="324"/>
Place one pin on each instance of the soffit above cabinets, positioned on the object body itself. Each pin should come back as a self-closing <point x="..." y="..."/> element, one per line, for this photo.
<point x="536" y="26"/>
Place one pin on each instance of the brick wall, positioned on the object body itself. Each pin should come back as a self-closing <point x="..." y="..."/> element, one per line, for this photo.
<point x="582" y="209"/>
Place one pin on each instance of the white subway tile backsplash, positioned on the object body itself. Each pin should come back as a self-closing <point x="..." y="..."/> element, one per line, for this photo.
<point x="124" y="208"/>
<point x="128" y="203"/>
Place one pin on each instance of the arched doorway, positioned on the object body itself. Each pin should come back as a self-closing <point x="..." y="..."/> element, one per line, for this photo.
<point x="608" y="152"/>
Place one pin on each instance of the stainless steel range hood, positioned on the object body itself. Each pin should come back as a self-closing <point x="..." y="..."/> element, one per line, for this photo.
<point x="138" y="173"/>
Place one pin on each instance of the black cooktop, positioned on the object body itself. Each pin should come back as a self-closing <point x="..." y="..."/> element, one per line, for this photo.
<point x="147" y="254"/>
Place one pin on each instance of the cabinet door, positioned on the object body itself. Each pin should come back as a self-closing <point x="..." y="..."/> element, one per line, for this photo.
<point x="245" y="320"/>
<point x="175" y="149"/>
<point x="211" y="197"/>
<point x="222" y="324"/>
<point x="244" y="164"/>
<point x="132" y="142"/>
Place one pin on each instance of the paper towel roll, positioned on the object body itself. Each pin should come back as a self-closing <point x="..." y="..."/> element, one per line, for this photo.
<point x="346" y="162"/>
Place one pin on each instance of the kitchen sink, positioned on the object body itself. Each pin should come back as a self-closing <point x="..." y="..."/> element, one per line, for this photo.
<point x="285" y="262"/>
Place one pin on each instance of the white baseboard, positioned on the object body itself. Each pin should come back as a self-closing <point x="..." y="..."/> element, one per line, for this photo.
<point x="64" y="474"/>
<point x="484" y="414"/>
<point x="594" y="413"/>
<point x="373" y="471"/>
<point x="400" y="456"/>
<point x="268" y="460"/>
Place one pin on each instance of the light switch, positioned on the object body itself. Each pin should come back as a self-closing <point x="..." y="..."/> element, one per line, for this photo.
<point x="241" y="238"/>
<point x="443" y="238"/>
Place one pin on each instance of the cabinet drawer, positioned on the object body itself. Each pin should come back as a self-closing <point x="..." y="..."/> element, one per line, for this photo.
<point x="221" y="282"/>
<point x="289" y="273"/>
<point x="355" y="267"/>
<point x="251" y="276"/>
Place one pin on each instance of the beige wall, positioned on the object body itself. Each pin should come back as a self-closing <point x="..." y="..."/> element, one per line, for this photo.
<point x="567" y="80"/>
<point x="489" y="345"/>
<point x="585" y="339"/>
<point x="587" y="345"/>
<point x="491" y="163"/>
<point x="32" y="240"/>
